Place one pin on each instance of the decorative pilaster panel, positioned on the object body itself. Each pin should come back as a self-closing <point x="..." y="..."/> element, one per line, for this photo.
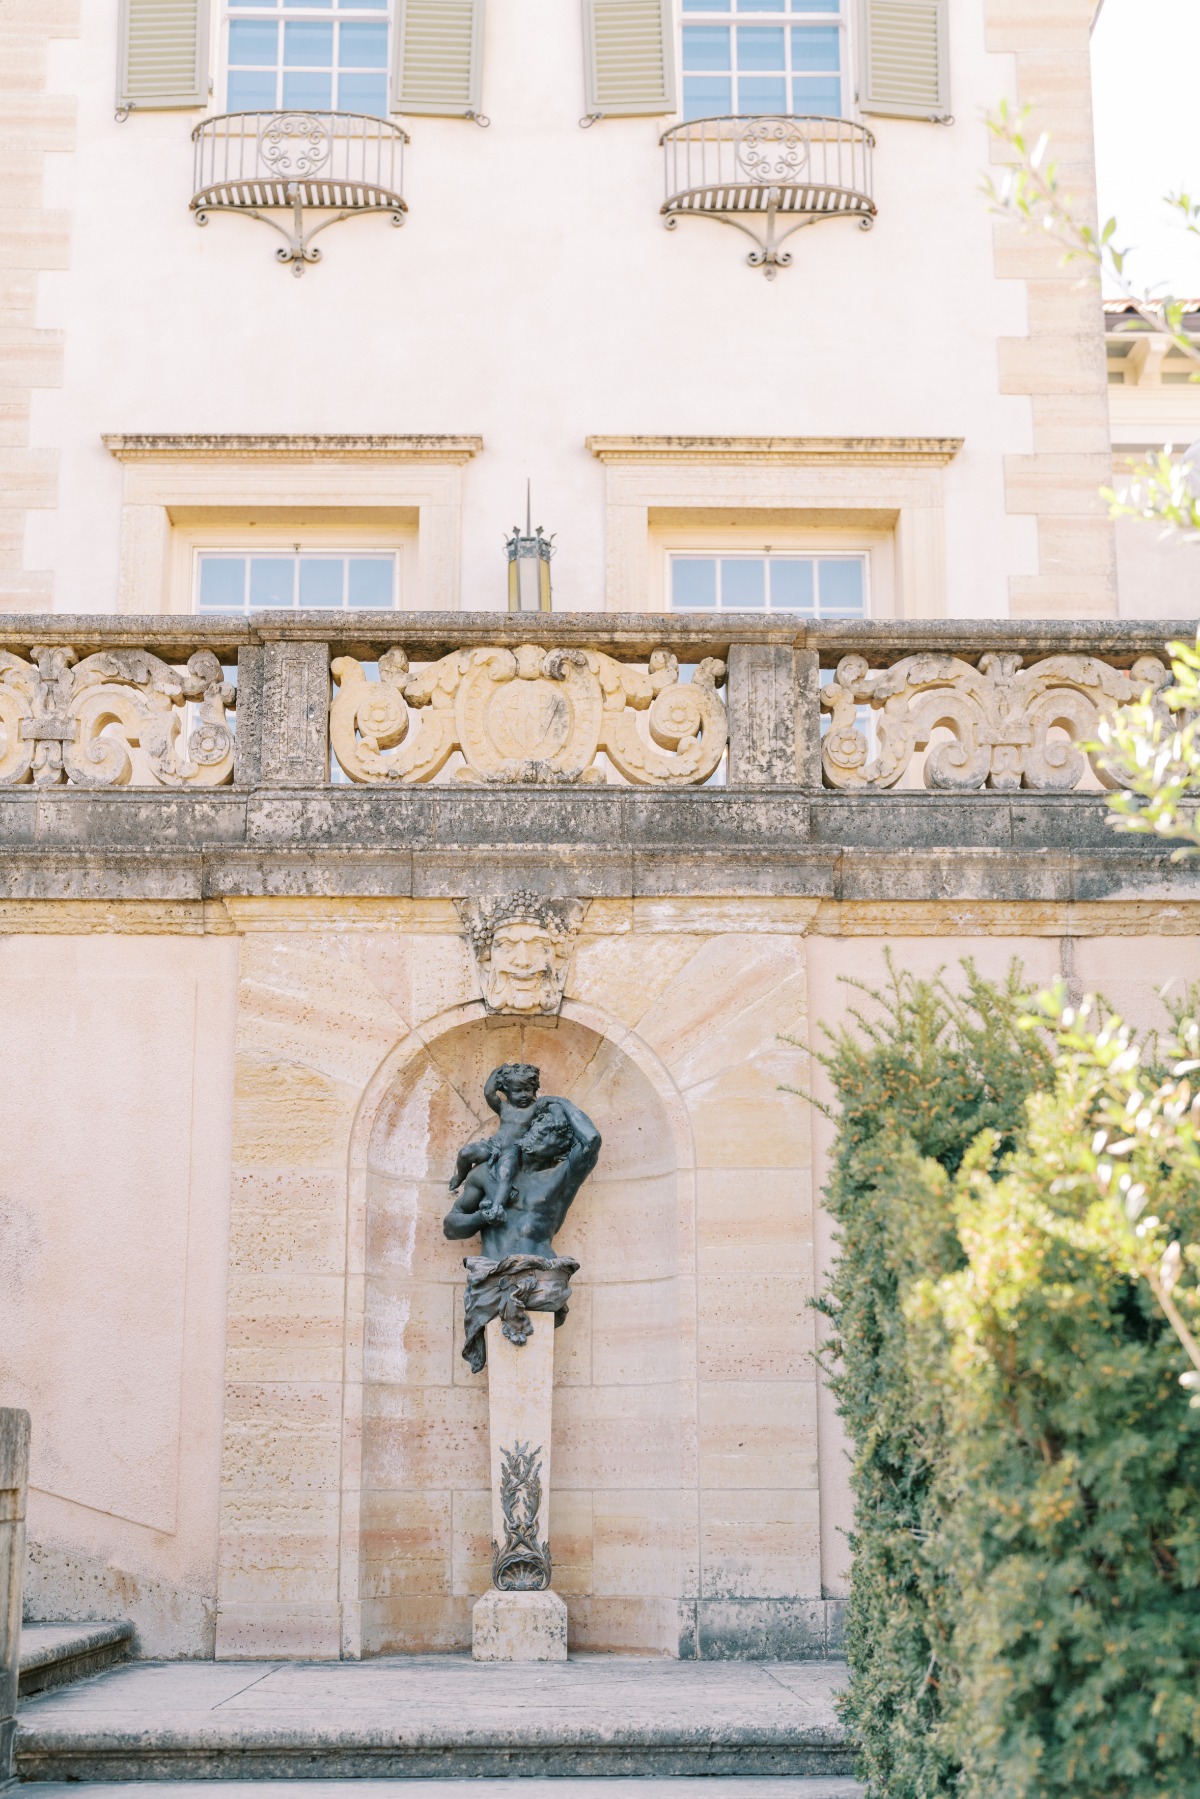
<point x="295" y="715"/>
<point x="762" y="702"/>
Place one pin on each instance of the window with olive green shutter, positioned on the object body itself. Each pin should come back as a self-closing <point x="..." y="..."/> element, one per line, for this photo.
<point x="629" y="57"/>
<point x="163" y="57"/>
<point x="905" y="59"/>
<point x="438" y="65"/>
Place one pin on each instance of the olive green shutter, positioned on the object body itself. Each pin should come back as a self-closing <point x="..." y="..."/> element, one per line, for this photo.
<point x="438" y="63"/>
<point x="163" y="55"/>
<point x="905" y="59"/>
<point x="629" y="56"/>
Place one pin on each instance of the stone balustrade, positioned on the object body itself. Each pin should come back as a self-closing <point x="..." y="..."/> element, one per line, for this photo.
<point x="491" y="699"/>
<point x="199" y="762"/>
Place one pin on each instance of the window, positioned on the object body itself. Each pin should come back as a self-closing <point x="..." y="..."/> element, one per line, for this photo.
<point x="762" y="56"/>
<point x="233" y="581"/>
<point x="310" y="55"/>
<point x="814" y="586"/>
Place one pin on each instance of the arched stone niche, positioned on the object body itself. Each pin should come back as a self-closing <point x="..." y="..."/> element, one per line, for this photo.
<point x="624" y="1502"/>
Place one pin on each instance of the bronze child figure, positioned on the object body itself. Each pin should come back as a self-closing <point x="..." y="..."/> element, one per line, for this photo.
<point x="486" y="1169"/>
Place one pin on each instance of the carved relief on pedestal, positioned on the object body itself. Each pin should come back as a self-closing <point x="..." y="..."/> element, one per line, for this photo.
<point x="1009" y="726"/>
<point x="78" y="724"/>
<point x="529" y="716"/>
<point x="521" y="1564"/>
<point x="522" y="945"/>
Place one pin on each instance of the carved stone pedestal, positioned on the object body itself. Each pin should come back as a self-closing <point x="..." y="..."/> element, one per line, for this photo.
<point x="519" y="1627"/>
<point x="520" y="1619"/>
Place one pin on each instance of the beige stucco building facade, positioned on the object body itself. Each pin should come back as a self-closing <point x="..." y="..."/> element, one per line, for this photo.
<point x="244" y="1020"/>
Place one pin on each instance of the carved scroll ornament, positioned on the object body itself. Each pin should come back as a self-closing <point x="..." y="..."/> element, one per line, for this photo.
<point x="529" y="715"/>
<point x="77" y="722"/>
<point x="1009" y="726"/>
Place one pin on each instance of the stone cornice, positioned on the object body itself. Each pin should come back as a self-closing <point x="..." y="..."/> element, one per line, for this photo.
<point x="921" y="451"/>
<point x="156" y="447"/>
<point x="608" y="842"/>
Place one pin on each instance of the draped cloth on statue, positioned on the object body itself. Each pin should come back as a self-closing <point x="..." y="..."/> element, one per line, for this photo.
<point x="509" y="1290"/>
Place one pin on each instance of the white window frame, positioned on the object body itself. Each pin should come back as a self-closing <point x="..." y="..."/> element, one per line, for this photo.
<point x="669" y="538"/>
<point x="288" y="548"/>
<point x="224" y="14"/>
<point x="777" y="552"/>
<point x="846" y="20"/>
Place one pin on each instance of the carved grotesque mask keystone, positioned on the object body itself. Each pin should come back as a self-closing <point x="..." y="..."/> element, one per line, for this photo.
<point x="522" y="946"/>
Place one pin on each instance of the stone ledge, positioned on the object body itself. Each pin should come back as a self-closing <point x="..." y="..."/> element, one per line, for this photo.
<point x="151" y="447"/>
<point x="936" y="451"/>
<point x="52" y="1655"/>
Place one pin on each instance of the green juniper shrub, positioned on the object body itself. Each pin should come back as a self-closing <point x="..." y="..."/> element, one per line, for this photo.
<point x="1066" y="1502"/>
<point x="919" y="1078"/>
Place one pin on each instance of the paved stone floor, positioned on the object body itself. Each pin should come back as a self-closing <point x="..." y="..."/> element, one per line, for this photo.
<point x="145" y="1721"/>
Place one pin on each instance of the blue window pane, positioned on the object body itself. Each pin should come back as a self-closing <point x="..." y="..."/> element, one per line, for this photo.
<point x="792" y="584"/>
<point x="841" y="588"/>
<point x="370" y="581"/>
<point x="761" y="47"/>
<point x="246" y="5"/>
<point x="321" y="580"/>
<point x="250" y="93"/>
<point x="307" y="5"/>
<point x="762" y="5"/>
<point x="762" y="93"/>
<point x="308" y="46"/>
<point x="363" y="93"/>
<point x="365" y="5"/>
<point x="705" y="97"/>
<point x="706" y="5"/>
<point x="743" y="584"/>
<point x="694" y="582"/>
<point x="816" y="5"/>
<point x="308" y="92"/>
<point x="812" y="98"/>
<point x="252" y="41"/>
<point x="271" y="580"/>
<point x="222" y="583"/>
<point x="362" y="46"/>
<point x="706" y="47"/>
<point x="816" y="47"/>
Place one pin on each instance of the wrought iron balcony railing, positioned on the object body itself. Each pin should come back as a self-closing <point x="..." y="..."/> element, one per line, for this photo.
<point x="340" y="164"/>
<point x="766" y="168"/>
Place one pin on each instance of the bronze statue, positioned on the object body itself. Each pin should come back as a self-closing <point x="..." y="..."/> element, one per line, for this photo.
<point x="515" y="1188"/>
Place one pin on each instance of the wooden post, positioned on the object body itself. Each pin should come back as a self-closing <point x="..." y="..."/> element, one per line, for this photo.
<point x="14" y="1481"/>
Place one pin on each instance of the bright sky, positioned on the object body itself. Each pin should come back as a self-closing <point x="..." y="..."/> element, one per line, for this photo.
<point x="1145" y="54"/>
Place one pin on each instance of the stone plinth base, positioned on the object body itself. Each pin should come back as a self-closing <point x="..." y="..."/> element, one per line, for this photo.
<point x="519" y="1627"/>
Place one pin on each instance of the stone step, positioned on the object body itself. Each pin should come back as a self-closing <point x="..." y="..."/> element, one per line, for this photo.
<point x="813" y="1786"/>
<point x="54" y="1654"/>
<point x="442" y="1717"/>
